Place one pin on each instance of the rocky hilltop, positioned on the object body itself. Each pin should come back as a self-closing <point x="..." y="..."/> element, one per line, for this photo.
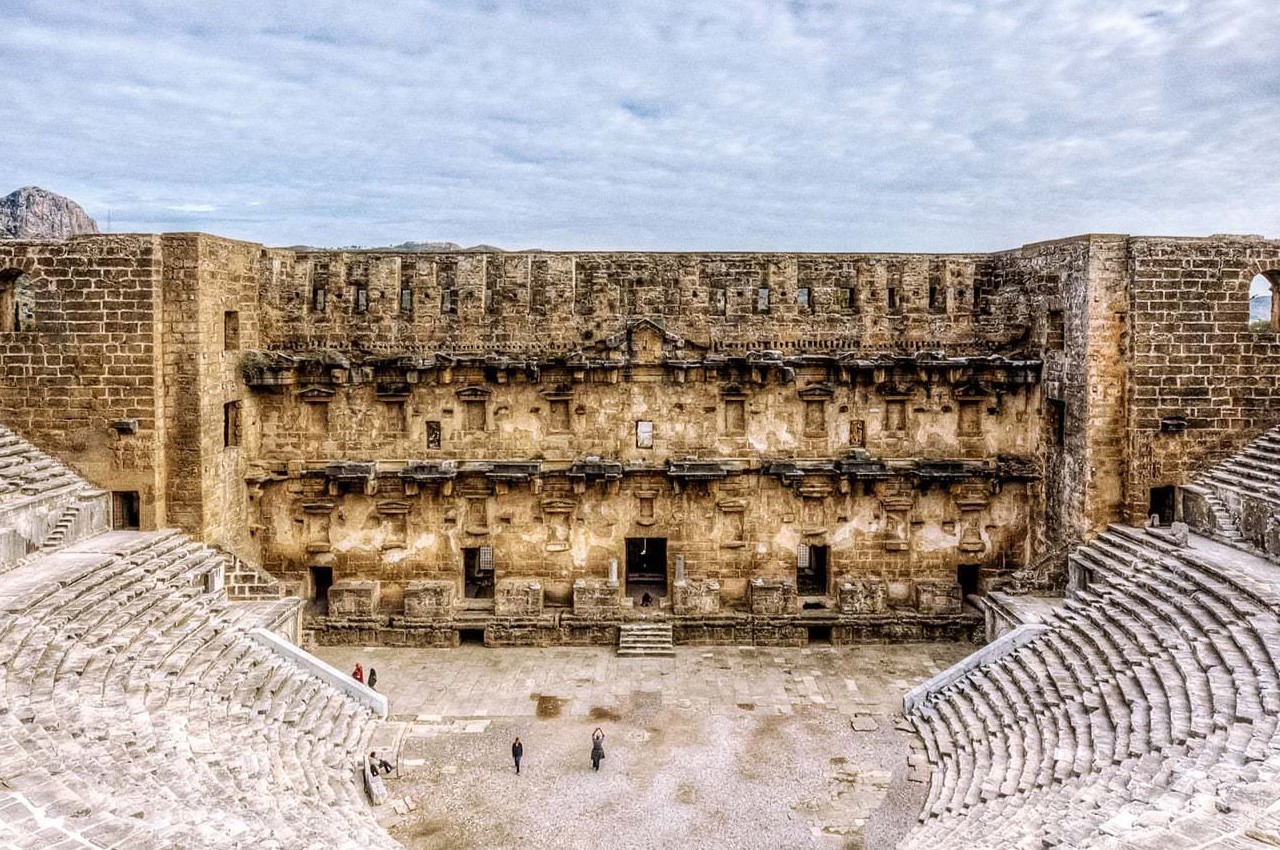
<point x="34" y="213"/>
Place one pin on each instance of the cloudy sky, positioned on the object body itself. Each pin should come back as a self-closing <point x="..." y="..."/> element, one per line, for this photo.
<point x="718" y="124"/>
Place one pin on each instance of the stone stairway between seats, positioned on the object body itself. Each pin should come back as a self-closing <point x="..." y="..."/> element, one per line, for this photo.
<point x="646" y="639"/>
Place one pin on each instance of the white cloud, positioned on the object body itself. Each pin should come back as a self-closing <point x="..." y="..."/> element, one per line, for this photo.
<point x="921" y="125"/>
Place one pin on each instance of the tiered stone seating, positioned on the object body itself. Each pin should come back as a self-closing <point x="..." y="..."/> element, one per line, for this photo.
<point x="136" y="711"/>
<point x="1254" y="470"/>
<point x="43" y="504"/>
<point x="1145" y="716"/>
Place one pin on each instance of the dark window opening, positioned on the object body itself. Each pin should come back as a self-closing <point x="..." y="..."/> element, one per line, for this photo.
<point x="471" y="637"/>
<point x="646" y="567"/>
<point x="1055" y="337"/>
<point x="230" y="331"/>
<point x="126" y="510"/>
<point x="1161" y="505"/>
<point x="937" y="291"/>
<point x="231" y="424"/>
<point x="811" y="570"/>
<point x="448" y="302"/>
<point x="362" y="298"/>
<point x="849" y="301"/>
<point x="819" y="635"/>
<point x="804" y="299"/>
<point x="477" y="567"/>
<point x="406" y="302"/>
<point x="319" y="298"/>
<point x="719" y="302"/>
<point x="433" y="434"/>
<point x="969" y="577"/>
<point x="891" y="300"/>
<point x="1056" y="413"/>
<point x="321" y="581"/>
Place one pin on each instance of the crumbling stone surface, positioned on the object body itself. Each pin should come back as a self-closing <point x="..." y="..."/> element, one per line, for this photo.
<point x="393" y="416"/>
<point x="517" y="597"/>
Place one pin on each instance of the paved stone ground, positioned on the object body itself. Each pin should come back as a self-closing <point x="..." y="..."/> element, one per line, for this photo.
<point x="719" y="747"/>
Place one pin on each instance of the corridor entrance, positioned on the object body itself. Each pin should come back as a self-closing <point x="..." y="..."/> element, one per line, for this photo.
<point x="477" y="569"/>
<point x="646" y="568"/>
<point x="811" y="570"/>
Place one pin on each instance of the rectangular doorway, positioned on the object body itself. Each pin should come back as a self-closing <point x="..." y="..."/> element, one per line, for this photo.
<point x="646" y="569"/>
<point x="477" y="568"/>
<point x="321" y="581"/>
<point x="1161" y="505"/>
<point x="126" y="510"/>
<point x="811" y="570"/>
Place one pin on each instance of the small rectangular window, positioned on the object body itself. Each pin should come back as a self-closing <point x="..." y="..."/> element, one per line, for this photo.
<point x="803" y="299"/>
<point x="815" y="418"/>
<point x="735" y="416"/>
<point x="231" y="424"/>
<point x="1057" y="421"/>
<point x="895" y="415"/>
<point x="448" y="302"/>
<point x="762" y="300"/>
<point x="433" y="434"/>
<point x="477" y="513"/>
<point x="644" y="434"/>
<point x="362" y="298"/>
<point x="718" y="302"/>
<point x="849" y="299"/>
<point x="230" y="331"/>
<point x="406" y="302"/>
<point x="891" y="300"/>
<point x="560" y="414"/>
<point x="318" y="298"/>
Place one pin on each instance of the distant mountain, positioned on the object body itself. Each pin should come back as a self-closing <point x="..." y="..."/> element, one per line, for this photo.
<point x="34" y="213"/>
<point x="1259" y="307"/>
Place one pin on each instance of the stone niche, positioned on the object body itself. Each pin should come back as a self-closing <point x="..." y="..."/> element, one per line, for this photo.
<point x="428" y="599"/>
<point x="861" y="596"/>
<point x="938" y="597"/>
<point x="517" y="597"/>
<point x="354" y="599"/>
<point x="696" y="597"/>
<point x="596" y="598"/>
<point x="772" y="596"/>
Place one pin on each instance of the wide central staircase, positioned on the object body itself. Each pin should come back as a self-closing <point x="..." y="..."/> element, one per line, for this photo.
<point x="1143" y="716"/>
<point x="136" y="708"/>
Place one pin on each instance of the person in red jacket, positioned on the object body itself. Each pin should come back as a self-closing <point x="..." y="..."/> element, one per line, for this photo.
<point x="358" y="674"/>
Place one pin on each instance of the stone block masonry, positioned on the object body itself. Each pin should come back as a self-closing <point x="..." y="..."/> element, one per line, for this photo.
<point x="882" y="433"/>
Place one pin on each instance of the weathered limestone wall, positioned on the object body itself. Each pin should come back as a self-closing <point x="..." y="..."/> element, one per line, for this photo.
<point x="80" y="379"/>
<point x="1201" y="383"/>
<point x="557" y="302"/>
<point x="204" y="279"/>
<point x="748" y="525"/>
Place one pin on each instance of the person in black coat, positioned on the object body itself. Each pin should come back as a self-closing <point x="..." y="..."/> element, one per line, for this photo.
<point x="597" y="748"/>
<point x="517" y="753"/>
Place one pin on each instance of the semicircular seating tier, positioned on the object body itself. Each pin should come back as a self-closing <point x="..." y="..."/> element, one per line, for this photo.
<point x="1144" y="714"/>
<point x="138" y="711"/>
